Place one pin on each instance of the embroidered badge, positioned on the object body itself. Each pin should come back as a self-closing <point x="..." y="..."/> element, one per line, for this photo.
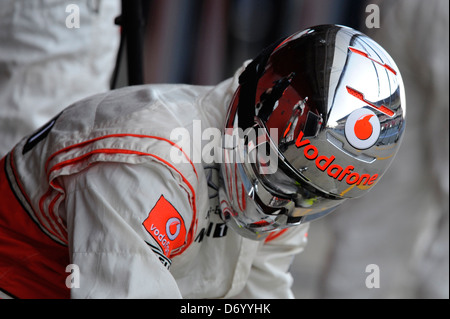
<point x="165" y="224"/>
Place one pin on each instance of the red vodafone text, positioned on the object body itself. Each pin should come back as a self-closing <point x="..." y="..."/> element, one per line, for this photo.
<point x="336" y="171"/>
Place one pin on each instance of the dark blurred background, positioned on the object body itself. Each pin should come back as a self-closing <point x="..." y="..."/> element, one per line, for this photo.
<point x="205" y="41"/>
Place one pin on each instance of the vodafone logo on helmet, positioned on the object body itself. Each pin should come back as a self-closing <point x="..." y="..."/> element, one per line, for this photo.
<point x="362" y="128"/>
<point x="332" y="169"/>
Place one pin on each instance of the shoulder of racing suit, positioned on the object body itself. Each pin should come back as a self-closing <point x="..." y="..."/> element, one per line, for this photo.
<point x="130" y="125"/>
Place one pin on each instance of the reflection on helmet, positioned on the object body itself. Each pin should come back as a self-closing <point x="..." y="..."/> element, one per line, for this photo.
<point x="316" y="119"/>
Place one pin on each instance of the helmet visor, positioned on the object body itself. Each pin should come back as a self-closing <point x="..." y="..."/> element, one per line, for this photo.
<point x="276" y="187"/>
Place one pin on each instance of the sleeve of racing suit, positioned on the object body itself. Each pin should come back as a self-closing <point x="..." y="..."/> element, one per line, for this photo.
<point x="117" y="254"/>
<point x="269" y="276"/>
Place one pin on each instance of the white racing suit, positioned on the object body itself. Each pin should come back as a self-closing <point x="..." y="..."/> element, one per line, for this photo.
<point x="96" y="190"/>
<point x="46" y="63"/>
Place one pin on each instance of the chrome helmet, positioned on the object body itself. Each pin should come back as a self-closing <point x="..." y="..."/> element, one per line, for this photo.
<point x="317" y="118"/>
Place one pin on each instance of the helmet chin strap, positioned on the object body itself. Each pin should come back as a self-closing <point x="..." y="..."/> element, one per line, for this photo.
<point x="248" y="81"/>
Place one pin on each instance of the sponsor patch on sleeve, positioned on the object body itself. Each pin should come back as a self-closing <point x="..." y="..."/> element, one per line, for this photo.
<point x="165" y="224"/>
